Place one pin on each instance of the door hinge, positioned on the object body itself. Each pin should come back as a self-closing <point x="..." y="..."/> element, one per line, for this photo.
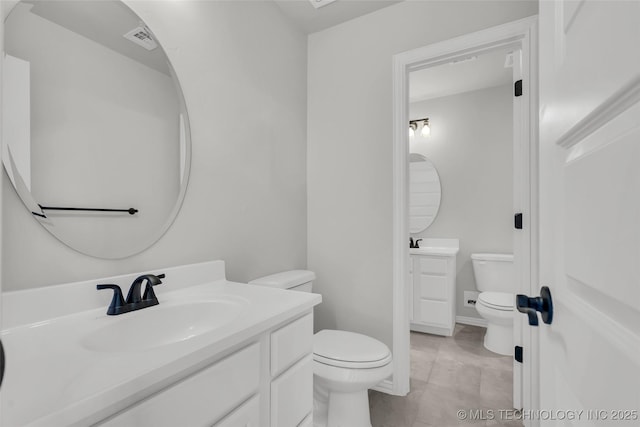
<point x="517" y="221"/>
<point x="518" y="88"/>
<point x="517" y="354"/>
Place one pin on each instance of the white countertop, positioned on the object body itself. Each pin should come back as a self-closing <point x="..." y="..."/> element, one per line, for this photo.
<point x="437" y="247"/>
<point x="52" y="380"/>
<point x="434" y="250"/>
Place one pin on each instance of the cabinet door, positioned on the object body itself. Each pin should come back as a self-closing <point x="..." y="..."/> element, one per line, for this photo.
<point x="291" y="343"/>
<point x="433" y="294"/>
<point x="434" y="313"/>
<point x="434" y="287"/>
<point x="292" y="395"/>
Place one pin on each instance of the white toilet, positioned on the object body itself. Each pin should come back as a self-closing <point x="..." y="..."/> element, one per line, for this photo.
<point x="345" y="364"/>
<point x="495" y="279"/>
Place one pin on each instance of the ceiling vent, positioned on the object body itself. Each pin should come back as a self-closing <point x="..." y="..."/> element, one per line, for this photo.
<point x="142" y="37"/>
<point x="320" y="3"/>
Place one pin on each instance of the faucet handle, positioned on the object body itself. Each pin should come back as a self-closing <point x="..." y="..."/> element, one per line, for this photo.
<point x="117" y="302"/>
<point x="152" y="280"/>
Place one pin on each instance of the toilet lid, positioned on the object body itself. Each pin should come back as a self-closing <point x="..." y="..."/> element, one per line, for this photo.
<point x="349" y="350"/>
<point x="497" y="300"/>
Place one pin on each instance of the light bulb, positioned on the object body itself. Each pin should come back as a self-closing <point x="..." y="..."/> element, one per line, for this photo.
<point x="426" y="130"/>
<point x="413" y="126"/>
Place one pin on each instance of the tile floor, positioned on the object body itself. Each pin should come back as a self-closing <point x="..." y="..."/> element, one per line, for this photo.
<point x="449" y="374"/>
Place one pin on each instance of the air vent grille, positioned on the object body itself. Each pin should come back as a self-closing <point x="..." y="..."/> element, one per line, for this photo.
<point x="142" y="37"/>
<point x="320" y="3"/>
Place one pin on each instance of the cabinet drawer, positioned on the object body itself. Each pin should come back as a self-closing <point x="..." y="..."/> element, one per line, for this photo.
<point x="433" y="266"/>
<point x="201" y="399"/>
<point x="290" y="343"/>
<point x="247" y="415"/>
<point x="292" y="395"/>
<point x="435" y="287"/>
<point x="435" y="312"/>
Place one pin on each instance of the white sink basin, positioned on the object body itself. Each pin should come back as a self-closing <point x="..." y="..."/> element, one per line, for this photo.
<point x="162" y="325"/>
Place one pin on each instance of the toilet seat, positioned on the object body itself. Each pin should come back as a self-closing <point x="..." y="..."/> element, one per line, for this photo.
<point x="349" y="350"/>
<point x="502" y="301"/>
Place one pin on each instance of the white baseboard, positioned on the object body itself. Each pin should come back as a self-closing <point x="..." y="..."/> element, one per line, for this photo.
<point x="385" y="386"/>
<point x="473" y="321"/>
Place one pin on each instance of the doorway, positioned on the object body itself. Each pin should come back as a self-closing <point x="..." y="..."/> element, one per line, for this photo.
<point x="519" y="36"/>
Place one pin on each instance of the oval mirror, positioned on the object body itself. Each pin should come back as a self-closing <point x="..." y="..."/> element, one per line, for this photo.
<point x="424" y="193"/>
<point x="96" y="135"/>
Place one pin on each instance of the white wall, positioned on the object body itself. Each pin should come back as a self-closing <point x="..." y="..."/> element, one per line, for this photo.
<point x="242" y="67"/>
<point x="350" y="150"/>
<point x="471" y="146"/>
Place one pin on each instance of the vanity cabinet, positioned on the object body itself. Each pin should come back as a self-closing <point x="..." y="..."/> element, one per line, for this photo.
<point x="268" y="381"/>
<point x="433" y="291"/>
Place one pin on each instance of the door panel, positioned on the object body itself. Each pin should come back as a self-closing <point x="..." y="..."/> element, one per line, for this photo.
<point x="589" y="210"/>
<point x="601" y="182"/>
<point x="593" y="343"/>
<point x="591" y="49"/>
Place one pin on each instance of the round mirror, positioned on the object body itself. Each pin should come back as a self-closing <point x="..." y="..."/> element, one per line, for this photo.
<point x="424" y="193"/>
<point x="96" y="136"/>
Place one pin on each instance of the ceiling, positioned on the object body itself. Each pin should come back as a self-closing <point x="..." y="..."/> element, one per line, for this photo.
<point x="485" y="71"/>
<point x="310" y="20"/>
<point x="104" y="22"/>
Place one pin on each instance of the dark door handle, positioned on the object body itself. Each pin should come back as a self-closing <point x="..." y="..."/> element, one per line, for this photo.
<point x="1" y="362"/>
<point x="530" y="306"/>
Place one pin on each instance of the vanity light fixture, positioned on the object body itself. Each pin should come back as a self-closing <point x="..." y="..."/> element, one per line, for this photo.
<point x="425" y="129"/>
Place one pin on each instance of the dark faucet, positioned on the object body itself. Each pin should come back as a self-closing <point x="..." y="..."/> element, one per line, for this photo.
<point x="133" y="302"/>
<point x="411" y="245"/>
<point x="417" y="245"/>
<point x="133" y="297"/>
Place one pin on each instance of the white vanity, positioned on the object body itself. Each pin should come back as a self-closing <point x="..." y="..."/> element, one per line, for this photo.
<point x="432" y="289"/>
<point x="212" y="353"/>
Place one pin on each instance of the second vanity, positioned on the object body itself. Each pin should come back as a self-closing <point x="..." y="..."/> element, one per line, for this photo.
<point x="213" y="352"/>
<point x="432" y="286"/>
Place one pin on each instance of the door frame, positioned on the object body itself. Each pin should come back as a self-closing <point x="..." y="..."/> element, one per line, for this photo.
<point x="521" y="34"/>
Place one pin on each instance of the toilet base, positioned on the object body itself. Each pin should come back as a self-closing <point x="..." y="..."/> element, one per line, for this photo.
<point x="499" y="339"/>
<point x="336" y="409"/>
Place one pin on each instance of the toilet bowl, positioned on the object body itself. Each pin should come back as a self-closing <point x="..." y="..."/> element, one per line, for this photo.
<point x="495" y="278"/>
<point x="345" y="364"/>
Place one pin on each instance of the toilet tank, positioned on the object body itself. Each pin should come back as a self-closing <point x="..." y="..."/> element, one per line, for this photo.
<point x="494" y="272"/>
<point x="294" y="280"/>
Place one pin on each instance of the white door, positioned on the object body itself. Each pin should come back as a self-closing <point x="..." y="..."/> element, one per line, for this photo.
<point x="589" y="356"/>
<point x="3" y="8"/>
